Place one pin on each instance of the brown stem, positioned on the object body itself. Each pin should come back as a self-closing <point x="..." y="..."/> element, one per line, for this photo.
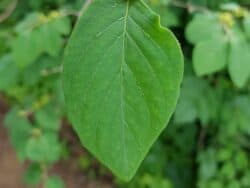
<point x="44" y="174"/>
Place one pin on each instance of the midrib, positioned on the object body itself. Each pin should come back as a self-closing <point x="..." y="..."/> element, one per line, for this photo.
<point x="123" y="61"/>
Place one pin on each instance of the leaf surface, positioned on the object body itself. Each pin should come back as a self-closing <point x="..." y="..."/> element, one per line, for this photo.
<point x="246" y="24"/>
<point x="203" y="27"/>
<point x="122" y="74"/>
<point x="239" y="59"/>
<point x="7" y="66"/>
<point x="35" y="38"/>
<point x="210" y="56"/>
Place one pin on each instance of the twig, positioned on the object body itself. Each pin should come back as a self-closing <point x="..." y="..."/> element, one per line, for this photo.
<point x="9" y="10"/>
<point x="189" y="6"/>
<point x="55" y="70"/>
<point x="44" y="174"/>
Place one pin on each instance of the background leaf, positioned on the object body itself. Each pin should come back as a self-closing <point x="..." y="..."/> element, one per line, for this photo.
<point x="210" y="56"/>
<point x="239" y="58"/>
<point x="210" y="25"/>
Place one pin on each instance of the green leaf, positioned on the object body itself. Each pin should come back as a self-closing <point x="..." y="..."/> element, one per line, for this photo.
<point x="193" y="101"/>
<point x="48" y="118"/>
<point x="186" y="110"/>
<point x="246" y="23"/>
<point x="54" y="182"/>
<point x="246" y="179"/>
<point x="7" y="66"/>
<point x="20" y="130"/>
<point x="33" y="174"/>
<point x="227" y="170"/>
<point x="26" y="49"/>
<point x="28" y="22"/>
<point x="239" y="59"/>
<point x="36" y="37"/>
<point x="241" y="161"/>
<point x="234" y="184"/>
<point x="203" y="27"/>
<point x="62" y="25"/>
<point x="46" y="148"/>
<point x="122" y="74"/>
<point x="208" y="166"/>
<point x="210" y="56"/>
<point x="33" y="73"/>
<point x="215" y="184"/>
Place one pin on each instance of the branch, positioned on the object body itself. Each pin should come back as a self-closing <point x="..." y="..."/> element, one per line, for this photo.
<point x="9" y="10"/>
<point x="44" y="174"/>
<point x="189" y="6"/>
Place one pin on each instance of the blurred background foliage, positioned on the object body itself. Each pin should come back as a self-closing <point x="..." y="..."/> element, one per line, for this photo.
<point x="206" y="145"/>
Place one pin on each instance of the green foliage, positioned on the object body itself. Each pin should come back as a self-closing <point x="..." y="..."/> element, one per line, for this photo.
<point x="38" y="34"/>
<point x="239" y="56"/>
<point x="33" y="175"/>
<point x="208" y="57"/>
<point x="221" y="42"/>
<point x="20" y="130"/>
<point x="54" y="182"/>
<point x="6" y="66"/>
<point x="193" y="102"/>
<point x="30" y="58"/>
<point x="210" y="25"/>
<point x="136" y="70"/>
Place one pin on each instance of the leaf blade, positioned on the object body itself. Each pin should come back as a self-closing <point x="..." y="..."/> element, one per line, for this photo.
<point x="209" y="58"/>
<point x="115" y="90"/>
<point x="239" y="57"/>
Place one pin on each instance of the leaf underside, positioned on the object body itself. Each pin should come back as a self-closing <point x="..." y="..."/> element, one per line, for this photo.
<point x="122" y="74"/>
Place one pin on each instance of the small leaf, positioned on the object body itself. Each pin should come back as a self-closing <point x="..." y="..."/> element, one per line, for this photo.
<point x="54" y="182"/>
<point x="210" y="56"/>
<point x="20" y="130"/>
<point x="62" y="25"/>
<point x="32" y="74"/>
<point x="122" y="74"/>
<point x="33" y="174"/>
<point x="8" y="66"/>
<point x="239" y="59"/>
<point x="208" y="166"/>
<point x="46" y="148"/>
<point x="47" y="118"/>
<point x="28" y="22"/>
<point x="203" y="27"/>
<point x="36" y="37"/>
<point x="25" y="48"/>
